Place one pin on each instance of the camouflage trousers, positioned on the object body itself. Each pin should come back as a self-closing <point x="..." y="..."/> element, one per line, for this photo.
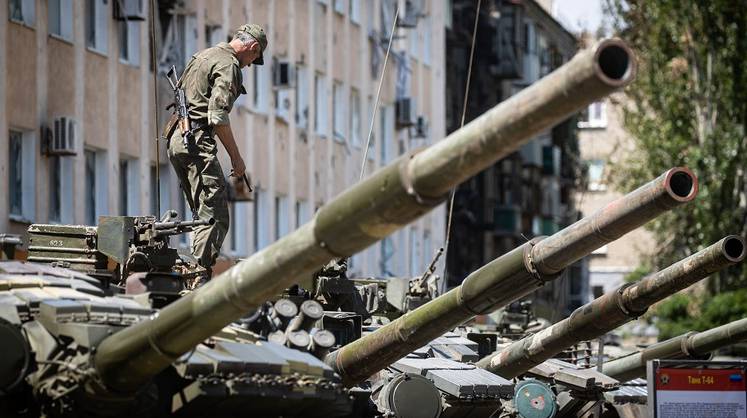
<point x="202" y="180"/>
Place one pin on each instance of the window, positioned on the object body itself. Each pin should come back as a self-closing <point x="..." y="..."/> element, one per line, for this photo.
<point x="22" y="176"/>
<point x="22" y="11"/>
<point x="416" y="264"/>
<point x="303" y="214"/>
<point x="262" y="87"/>
<point x="600" y="251"/>
<point x="371" y="141"/>
<point x="16" y="173"/>
<point x="129" y="42"/>
<point x="96" y="179"/>
<point x="427" y="249"/>
<point x="214" y="34"/>
<point x="427" y="40"/>
<point x="387" y="253"/>
<point x="183" y="240"/>
<point x="163" y="179"/>
<point x="282" y="217"/>
<point x="282" y="104"/>
<point x="61" y="19"/>
<point x="387" y="131"/>
<point x="355" y="118"/>
<point x="186" y="36"/>
<point x="55" y="205"/>
<point x="413" y="38"/>
<point x="129" y="187"/>
<point x="355" y="11"/>
<point x="370" y="14"/>
<point x="340" y="6"/>
<point x="595" y="116"/>
<point x="237" y="243"/>
<point x="123" y="198"/>
<point x="97" y="25"/>
<point x="320" y="115"/>
<point x="448" y="16"/>
<point x="261" y="219"/>
<point x="61" y="189"/>
<point x="338" y="111"/>
<point x="596" y="175"/>
<point x="302" y="97"/>
<point x="383" y="148"/>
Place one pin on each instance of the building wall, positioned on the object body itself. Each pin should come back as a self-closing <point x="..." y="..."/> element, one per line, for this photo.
<point x="602" y="143"/>
<point x="43" y="77"/>
<point x="525" y="194"/>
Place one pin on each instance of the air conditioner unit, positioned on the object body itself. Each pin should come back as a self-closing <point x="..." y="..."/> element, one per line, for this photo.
<point x="60" y="139"/>
<point x="129" y="10"/>
<point x="282" y="74"/>
<point x="421" y="127"/>
<point x="405" y="111"/>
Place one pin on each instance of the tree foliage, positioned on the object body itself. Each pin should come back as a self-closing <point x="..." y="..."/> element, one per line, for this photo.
<point x="688" y="107"/>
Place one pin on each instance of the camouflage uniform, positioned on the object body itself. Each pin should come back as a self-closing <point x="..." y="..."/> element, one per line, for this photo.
<point x="212" y="81"/>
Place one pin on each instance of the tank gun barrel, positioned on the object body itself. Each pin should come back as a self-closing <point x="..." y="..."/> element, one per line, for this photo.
<point x="511" y="276"/>
<point x="613" y="309"/>
<point x="693" y="345"/>
<point x="386" y="201"/>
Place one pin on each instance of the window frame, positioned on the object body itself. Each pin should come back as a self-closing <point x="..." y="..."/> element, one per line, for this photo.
<point x="27" y="192"/>
<point x="65" y="14"/>
<point x="354" y="11"/>
<point x="302" y="104"/>
<point x="131" y="31"/>
<point x="321" y="127"/>
<point x="101" y="15"/>
<point x="355" y="118"/>
<point x="27" y="20"/>
<point x="338" y="111"/>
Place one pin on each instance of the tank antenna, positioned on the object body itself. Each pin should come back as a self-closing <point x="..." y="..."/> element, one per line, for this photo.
<point x="153" y="56"/>
<point x="378" y="95"/>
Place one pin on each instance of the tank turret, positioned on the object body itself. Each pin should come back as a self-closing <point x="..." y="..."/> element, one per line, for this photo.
<point x="613" y="309"/>
<point x="387" y="200"/>
<point x="511" y="276"/>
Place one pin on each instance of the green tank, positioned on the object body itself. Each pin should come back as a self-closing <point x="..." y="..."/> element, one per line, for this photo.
<point x="613" y="309"/>
<point x="511" y="276"/>
<point x="75" y="351"/>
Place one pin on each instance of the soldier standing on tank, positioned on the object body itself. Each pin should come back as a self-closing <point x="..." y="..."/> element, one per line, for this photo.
<point x="212" y="81"/>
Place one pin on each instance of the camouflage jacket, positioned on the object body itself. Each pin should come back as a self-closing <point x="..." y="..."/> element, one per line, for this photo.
<point x="212" y="81"/>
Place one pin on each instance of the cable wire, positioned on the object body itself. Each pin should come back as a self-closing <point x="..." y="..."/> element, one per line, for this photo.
<point x="378" y="95"/>
<point x="450" y="212"/>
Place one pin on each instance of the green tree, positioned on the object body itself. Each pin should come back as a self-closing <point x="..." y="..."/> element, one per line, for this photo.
<point x="688" y="107"/>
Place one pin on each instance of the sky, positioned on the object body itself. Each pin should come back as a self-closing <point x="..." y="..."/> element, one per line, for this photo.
<point x="577" y="15"/>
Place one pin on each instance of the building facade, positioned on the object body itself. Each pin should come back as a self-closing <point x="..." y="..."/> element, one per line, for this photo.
<point x="80" y="118"/>
<point x="603" y="142"/>
<point x="530" y="192"/>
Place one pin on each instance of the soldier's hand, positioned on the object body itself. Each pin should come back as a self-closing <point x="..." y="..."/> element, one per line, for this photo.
<point x="238" y="167"/>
